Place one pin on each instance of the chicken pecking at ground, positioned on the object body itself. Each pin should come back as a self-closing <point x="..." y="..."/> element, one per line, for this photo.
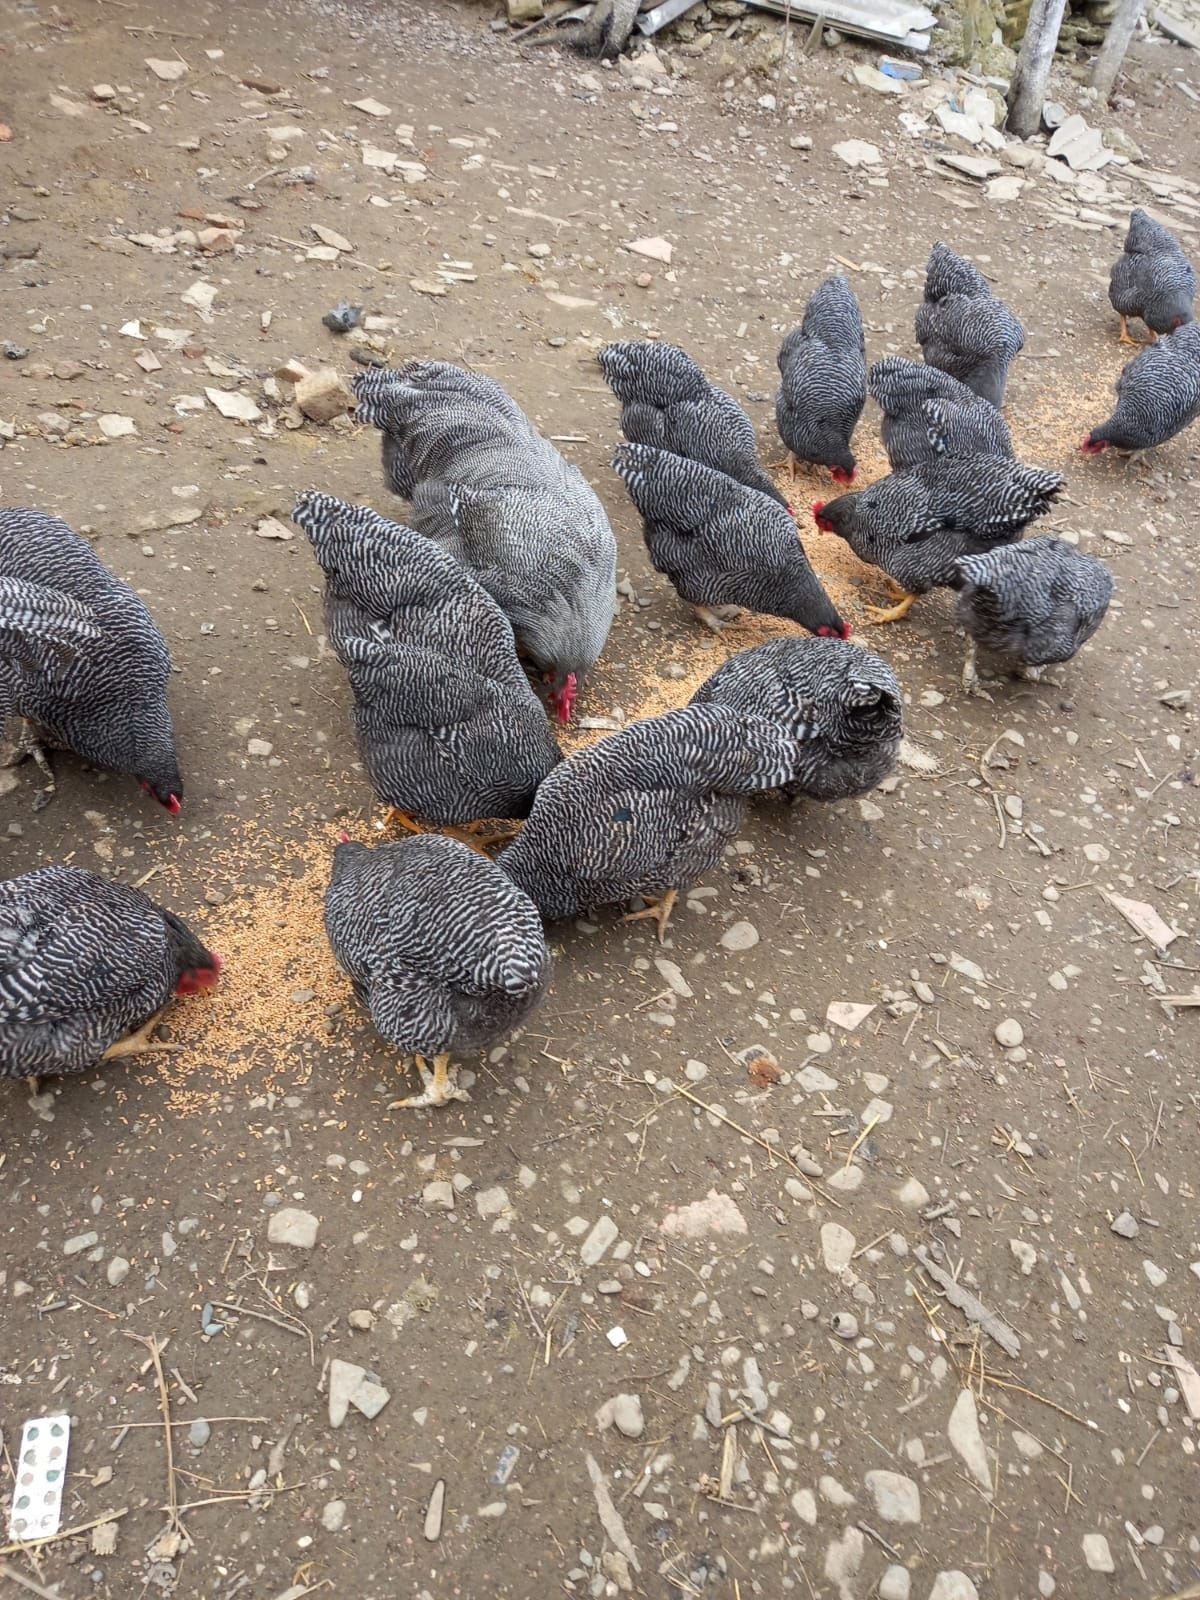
<point x="86" y="969"/>
<point x="927" y="414"/>
<point x="500" y="498"/>
<point x="448" y="725"/>
<point x="646" y="812"/>
<point x="823" y="381"/>
<point x="963" y="329"/>
<point x="1036" y="602"/>
<point x="105" y="698"/>
<point x="667" y="402"/>
<point x="32" y="620"/>
<point x="1158" y="395"/>
<point x="444" y="951"/>
<point x="725" y="547"/>
<point x="915" y="525"/>
<point x="850" y="695"/>
<point x="1151" y="279"/>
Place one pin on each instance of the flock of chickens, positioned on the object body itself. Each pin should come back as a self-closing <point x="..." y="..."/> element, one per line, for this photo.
<point x="510" y="563"/>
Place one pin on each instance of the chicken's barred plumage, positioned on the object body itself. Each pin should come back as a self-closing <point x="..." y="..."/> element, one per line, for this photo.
<point x="443" y="949"/>
<point x="106" y="697"/>
<point x="83" y="963"/>
<point x="35" y="624"/>
<point x="963" y="329"/>
<point x="500" y="498"/>
<point x="928" y="413"/>
<point x="1036" y="602"/>
<point x="1152" y="278"/>
<point x="1158" y="395"/>
<point x="720" y="543"/>
<point x="851" y="696"/>
<point x="647" y="810"/>
<point x="915" y="525"/>
<point x="667" y="402"/>
<point x="448" y="726"/>
<point x="823" y="379"/>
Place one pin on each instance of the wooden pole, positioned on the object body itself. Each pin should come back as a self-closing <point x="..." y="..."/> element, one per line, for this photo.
<point x="1116" y="43"/>
<point x="1027" y="91"/>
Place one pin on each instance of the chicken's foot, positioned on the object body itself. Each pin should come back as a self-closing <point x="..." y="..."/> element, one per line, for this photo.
<point x="789" y="463"/>
<point x="480" y="833"/>
<point x="27" y="745"/>
<point x="716" y="617"/>
<point x="139" y="1043"/>
<point x="904" y="604"/>
<point x="970" y="676"/>
<point x="1125" y="337"/>
<point x="393" y="817"/>
<point x="657" y="910"/>
<point x="440" y="1088"/>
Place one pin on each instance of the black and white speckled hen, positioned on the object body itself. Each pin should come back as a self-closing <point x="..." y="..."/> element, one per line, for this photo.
<point x="86" y="969"/>
<point x="850" y="695"/>
<point x="106" y="698"/>
<point x="1158" y="395"/>
<point x="963" y="329"/>
<point x="823" y="380"/>
<point x="1151" y="279"/>
<point x="927" y="414"/>
<point x="915" y="525"/>
<point x="647" y="811"/>
<point x="448" y="725"/>
<point x="667" y="402"/>
<point x="1036" y="602"/>
<point x="32" y="620"/>
<point x="500" y="498"/>
<point x="443" y="949"/>
<point x="725" y="547"/>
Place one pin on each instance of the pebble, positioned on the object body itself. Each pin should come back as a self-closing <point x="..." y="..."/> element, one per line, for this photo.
<point x="837" y="1246"/>
<point x="1046" y="1584"/>
<point x="897" y="1498"/>
<point x="835" y="1493"/>
<point x="804" y="1504"/>
<point x="843" y="1558"/>
<point x="963" y="1429"/>
<point x="438" y="1196"/>
<point x="913" y="1194"/>
<point x="953" y="1585"/>
<point x="199" y="1433"/>
<point x="333" y="1516"/>
<point x="896" y="1584"/>
<point x="844" y="1324"/>
<point x="1009" y="1033"/>
<point x="814" y="1081"/>
<point x="741" y="936"/>
<point x="433" y="1513"/>
<point x="1097" y="1554"/>
<point x="601" y="1238"/>
<point x="292" y="1226"/>
<point x="695" y="1071"/>
<point x="1125" y="1225"/>
<point x="117" y="1271"/>
<point x="623" y="1412"/>
<point x="81" y="1241"/>
<point x="259" y="747"/>
<point x="1155" y="1276"/>
<point x="491" y="1202"/>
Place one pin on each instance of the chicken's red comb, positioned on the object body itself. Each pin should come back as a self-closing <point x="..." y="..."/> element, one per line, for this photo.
<point x="343" y="838"/>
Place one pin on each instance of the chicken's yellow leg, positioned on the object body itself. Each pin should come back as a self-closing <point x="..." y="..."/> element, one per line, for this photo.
<point x="440" y="1087"/>
<point x="788" y="461"/>
<point x="658" y="910"/>
<point x="394" y="817"/>
<point x="139" y="1043"/>
<point x="904" y="604"/>
<point x="1125" y="337"/>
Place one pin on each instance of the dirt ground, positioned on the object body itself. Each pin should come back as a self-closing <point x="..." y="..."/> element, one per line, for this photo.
<point x="482" y="1262"/>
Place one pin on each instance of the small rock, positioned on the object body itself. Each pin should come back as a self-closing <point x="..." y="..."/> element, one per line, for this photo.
<point x="837" y="1246"/>
<point x="913" y="1194"/>
<point x="362" y="1319"/>
<point x="804" y="1504"/>
<point x="716" y="1214"/>
<point x="844" y="1324"/>
<point x="1155" y="1276"/>
<point x="896" y="1584"/>
<point x="963" y="1429"/>
<point x="199" y="1433"/>
<point x="897" y="1498"/>
<point x="814" y="1081"/>
<point x="843" y="1558"/>
<point x="1010" y="1033"/>
<point x="333" y="1516"/>
<point x="847" y="1014"/>
<point x="539" y="251"/>
<point x="117" y="1271"/>
<point x="623" y="1412"/>
<point x="857" y="153"/>
<point x="433" y="1514"/>
<point x="168" y="71"/>
<point x="741" y="936"/>
<point x="1097" y="1554"/>
<point x="322" y="396"/>
<point x="438" y="1196"/>
<point x="81" y="1242"/>
<point x="260" y="748"/>
<point x="1125" y="1225"/>
<point x="114" y="426"/>
<point x="835" y="1493"/>
<point x="601" y="1238"/>
<point x="292" y="1226"/>
<point x="953" y="1585"/>
<point x="1046" y="1584"/>
<point x="238" y="407"/>
<point x="491" y="1202"/>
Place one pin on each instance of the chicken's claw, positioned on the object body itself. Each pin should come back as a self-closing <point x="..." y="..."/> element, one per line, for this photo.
<point x="440" y="1087"/>
<point x="881" y="614"/>
<point x="657" y="910"/>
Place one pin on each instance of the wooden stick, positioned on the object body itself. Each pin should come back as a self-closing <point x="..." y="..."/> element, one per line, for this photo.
<point x="116" y="1427"/>
<point x="63" y="1533"/>
<point x="11" y="1573"/>
<point x="779" y="1155"/>
<point x="164" y="1400"/>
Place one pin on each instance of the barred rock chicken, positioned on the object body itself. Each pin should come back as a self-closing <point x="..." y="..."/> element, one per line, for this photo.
<point x="1036" y="602"/>
<point x="86" y="969"/>
<point x="1158" y="395"/>
<point x="823" y="381"/>
<point x="448" y="725"/>
<point x="851" y="696"/>
<point x="487" y="487"/>
<point x="915" y="525"/>
<point x="647" y="811"/>
<point x="963" y="329"/>
<point x="447" y="955"/>
<point x="105" y="698"/>
<point x="33" y="618"/>
<point x="666" y="401"/>
<point x="927" y="414"/>
<point x="1151" y="279"/>
<point x="725" y="547"/>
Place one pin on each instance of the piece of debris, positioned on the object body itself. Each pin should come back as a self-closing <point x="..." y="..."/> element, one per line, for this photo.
<point x="289" y="1225"/>
<point x="40" y="1477"/>
<point x="655" y="249"/>
<point x="434" y="1512"/>
<point x="352" y="1385"/>
<point x="331" y="237"/>
<point x="342" y="318"/>
<point x="716" y="1214"/>
<point x="372" y="108"/>
<point x="761" y="1066"/>
<point x="964" y="1434"/>
<point x="103" y="1541"/>
<point x="1138" y="914"/>
<point x="623" y="1412"/>
<point x="857" y="153"/>
<point x="168" y="71"/>
<point x="970" y="1305"/>
<point x="114" y="426"/>
<point x="1189" y="1380"/>
<point x="272" y="528"/>
<point x="201" y="295"/>
<point x="610" y="1518"/>
<point x="845" y="1014"/>
<point x="238" y="407"/>
<point x="322" y="395"/>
